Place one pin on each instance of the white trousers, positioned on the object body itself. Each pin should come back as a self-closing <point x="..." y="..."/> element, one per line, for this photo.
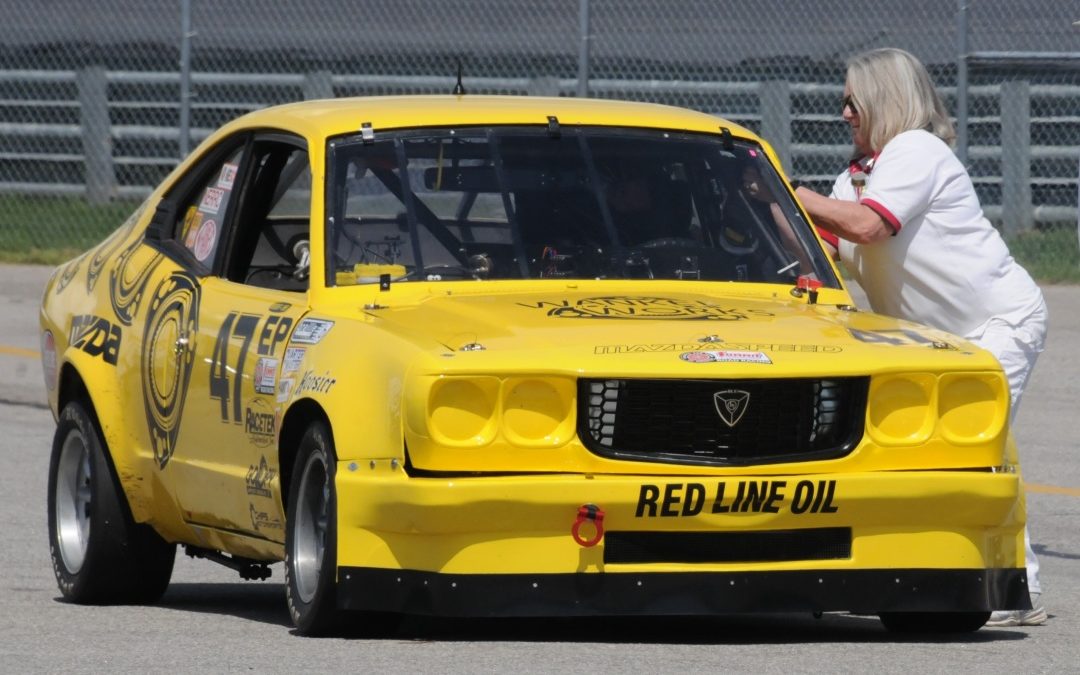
<point x="1017" y="347"/>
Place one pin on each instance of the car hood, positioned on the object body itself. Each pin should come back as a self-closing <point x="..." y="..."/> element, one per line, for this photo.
<point x="560" y="329"/>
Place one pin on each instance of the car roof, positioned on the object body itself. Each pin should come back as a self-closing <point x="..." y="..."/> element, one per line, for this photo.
<point x="335" y="117"/>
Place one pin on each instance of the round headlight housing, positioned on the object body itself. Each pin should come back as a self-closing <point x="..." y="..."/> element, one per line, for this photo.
<point x="462" y="411"/>
<point x="900" y="409"/>
<point x="972" y="407"/>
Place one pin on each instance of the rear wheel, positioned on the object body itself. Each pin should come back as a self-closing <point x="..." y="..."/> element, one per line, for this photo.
<point x="934" y="622"/>
<point x="311" y="536"/>
<point x="100" y="555"/>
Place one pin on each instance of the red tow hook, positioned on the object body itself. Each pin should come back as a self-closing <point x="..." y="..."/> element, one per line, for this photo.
<point x="585" y="513"/>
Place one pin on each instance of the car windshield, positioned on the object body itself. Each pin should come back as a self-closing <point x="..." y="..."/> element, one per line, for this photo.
<point x="561" y="203"/>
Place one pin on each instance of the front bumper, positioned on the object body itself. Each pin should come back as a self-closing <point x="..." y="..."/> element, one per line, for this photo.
<point x="503" y="545"/>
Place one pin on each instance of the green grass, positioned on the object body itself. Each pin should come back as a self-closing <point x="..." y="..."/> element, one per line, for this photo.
<point x="50" y="230"/>
<point x="1051" y="254"/>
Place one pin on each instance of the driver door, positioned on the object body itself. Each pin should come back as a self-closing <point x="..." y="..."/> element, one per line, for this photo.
<point x="225" y="465"/>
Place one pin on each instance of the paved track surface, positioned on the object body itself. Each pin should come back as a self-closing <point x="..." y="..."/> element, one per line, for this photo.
<point x="211" y="621"/>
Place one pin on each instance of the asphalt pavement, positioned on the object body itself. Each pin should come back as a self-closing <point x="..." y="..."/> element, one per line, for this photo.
<point x="211" y="621"/>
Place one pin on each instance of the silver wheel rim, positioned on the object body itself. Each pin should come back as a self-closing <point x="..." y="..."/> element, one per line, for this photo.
<point x="73" y="501"/>
<point x="312" y="516"/>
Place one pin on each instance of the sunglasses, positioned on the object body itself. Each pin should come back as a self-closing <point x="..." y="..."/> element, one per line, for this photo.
<point x="848" y="102"/>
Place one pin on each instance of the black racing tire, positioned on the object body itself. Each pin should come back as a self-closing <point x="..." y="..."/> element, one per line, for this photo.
<point x="100" y="555"/>
<point x="934" y="622"/>
<point x="311" y="536"/>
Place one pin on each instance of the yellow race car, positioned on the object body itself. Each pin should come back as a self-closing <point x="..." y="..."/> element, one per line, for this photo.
<point x="501" y="356"/>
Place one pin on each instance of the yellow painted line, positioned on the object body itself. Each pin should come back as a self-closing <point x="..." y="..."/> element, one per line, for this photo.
<point x="19" y="351"/>
<point x="1052" y="489"/>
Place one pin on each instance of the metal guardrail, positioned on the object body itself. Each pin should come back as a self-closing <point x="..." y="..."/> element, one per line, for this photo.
<point x="774" y="117"/>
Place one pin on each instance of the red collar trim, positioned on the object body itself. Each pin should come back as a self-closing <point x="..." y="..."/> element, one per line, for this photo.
<point x="863" y="164"/>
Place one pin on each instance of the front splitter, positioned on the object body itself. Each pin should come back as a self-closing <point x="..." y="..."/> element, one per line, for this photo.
<point x="681" y="593"/>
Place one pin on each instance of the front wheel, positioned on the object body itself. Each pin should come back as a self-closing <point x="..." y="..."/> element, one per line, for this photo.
<point x="934" y="622"/>
<point x="100" y="555"/>
<point x="311" y="536"/>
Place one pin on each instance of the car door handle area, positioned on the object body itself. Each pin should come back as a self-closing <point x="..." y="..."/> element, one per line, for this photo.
<point x="181" y="345"/>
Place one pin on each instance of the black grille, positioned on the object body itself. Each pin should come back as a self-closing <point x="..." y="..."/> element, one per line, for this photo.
<point x="736" y="422"/>
<point x="827" y="543"/>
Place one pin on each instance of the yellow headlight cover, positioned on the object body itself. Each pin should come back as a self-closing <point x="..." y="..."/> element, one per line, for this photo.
<point x="538" y="412"/>
<point x="972" y="407"/>
<point x="462" y="411"/>
<point x="901" y="408"/>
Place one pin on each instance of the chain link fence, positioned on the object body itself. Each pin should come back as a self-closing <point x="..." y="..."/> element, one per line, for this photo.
<point x="99" y="101"/>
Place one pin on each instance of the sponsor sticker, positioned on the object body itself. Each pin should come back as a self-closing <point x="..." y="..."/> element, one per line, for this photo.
<point x="284" y="390"/>
<point x="260" y="425"/>
<point x="48" y="359"/>
<point x="658" y="347"/>
<point x="262" y="521"/>
<point x="310" y="331"/>
<point x="211" y="201"/>
<point x="227" y="177"/>
<point x="266" y="375"/>
<point x="205" y="240"/>
<point x="96" y="336"/>
<point x="319" y="384"/>
<point x="192" y="220"/>
<point x="626" y="307"/>
<point x="725" y="356"/>
<point x="675" y="500"/>
<point x="294" y="356"/>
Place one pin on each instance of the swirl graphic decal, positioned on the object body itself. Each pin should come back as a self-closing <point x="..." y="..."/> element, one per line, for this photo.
<point x="628" y="307"/>
<point x="68" y="274"/>
<point x="168" y="355"/>
<point x="128" y="278"/>
<point x="108" y="247"/>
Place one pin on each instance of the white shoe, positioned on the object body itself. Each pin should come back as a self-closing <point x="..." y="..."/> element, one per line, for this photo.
<point x="1036" y="616"/>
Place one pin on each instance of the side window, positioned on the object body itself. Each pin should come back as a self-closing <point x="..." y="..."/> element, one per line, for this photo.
<point x="200" y="223"/>
<point x="270" y="246"/>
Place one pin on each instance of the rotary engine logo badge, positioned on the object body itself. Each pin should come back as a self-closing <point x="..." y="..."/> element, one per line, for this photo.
<point x="731" y="405"/>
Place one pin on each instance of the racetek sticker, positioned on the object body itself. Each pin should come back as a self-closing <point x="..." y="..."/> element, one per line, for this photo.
<point x="635" y="307"/>
<point x="260" y="424"/>
<point x="674" y="500"/>
<point x="310" y="331"/>
<point x="725" y="356"/>
<point x="738" y="346"/>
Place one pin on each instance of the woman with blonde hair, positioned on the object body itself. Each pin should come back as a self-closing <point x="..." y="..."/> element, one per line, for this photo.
<point x="905" y="220"/>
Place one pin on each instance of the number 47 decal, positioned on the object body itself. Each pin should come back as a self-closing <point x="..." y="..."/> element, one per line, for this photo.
<point x="897" y="336"/>
<point x="226" y="378"/>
